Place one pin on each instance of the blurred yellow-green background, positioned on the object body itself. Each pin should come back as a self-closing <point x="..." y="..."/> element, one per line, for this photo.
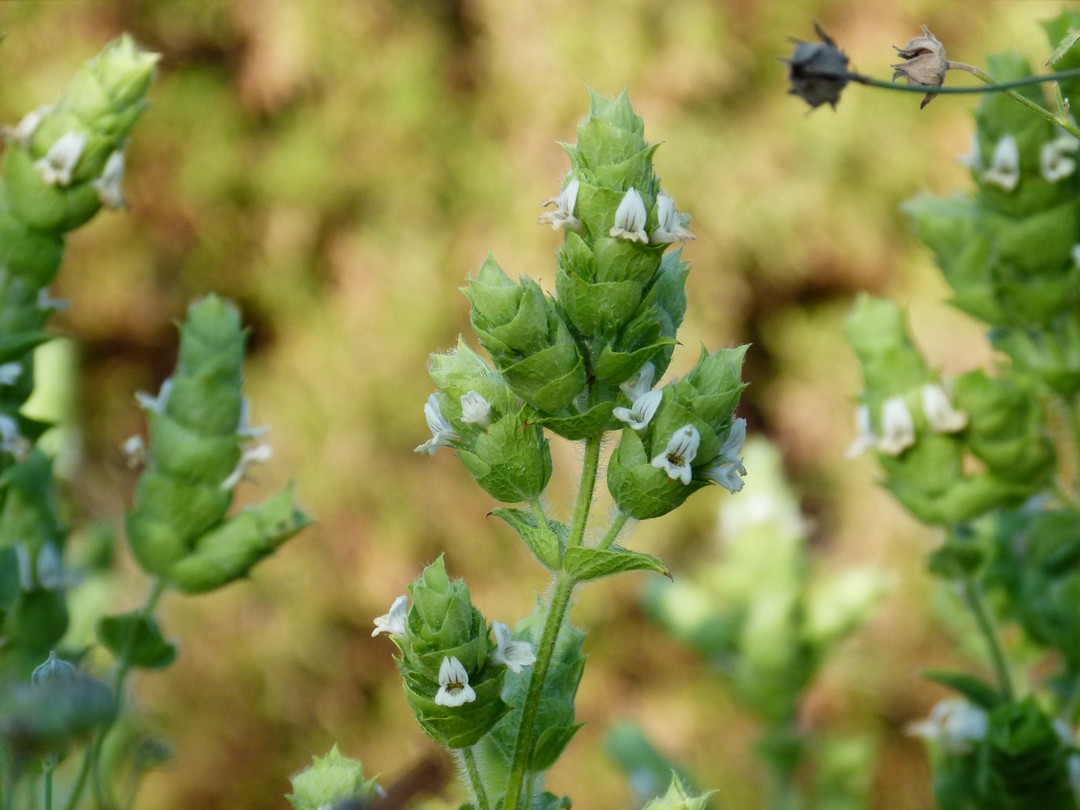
<point x="338" y="167"/>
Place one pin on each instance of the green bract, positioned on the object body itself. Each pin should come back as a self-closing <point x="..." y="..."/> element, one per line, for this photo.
<point x="330" y="780"/>
<point x="442" y="623"/>
<point x="177" y="525"/>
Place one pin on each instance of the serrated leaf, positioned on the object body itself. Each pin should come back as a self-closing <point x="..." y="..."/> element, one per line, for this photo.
<point x="1064" y="46"/>
<point x="545" y="542"/>
<point x="585" y="563"/>
<point x="137" y="640"/>
<point x="978" y="692"/>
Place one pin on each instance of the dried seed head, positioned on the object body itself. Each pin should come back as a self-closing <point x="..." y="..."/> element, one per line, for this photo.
<point x="817" y="70"/>
<point x="924" y="63"/>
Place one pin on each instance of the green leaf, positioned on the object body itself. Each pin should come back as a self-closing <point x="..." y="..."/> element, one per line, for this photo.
<point x="137" y="640"/>
<point x="956" y="560"/>
<point x="1064" y="46"/>
<point x="585" y="564"/>
<point x="595" y="420"/>
<point x="978" y="692"/>
<point x="551" y="745"/>
<point x="9" y="577"/>
<point x="545" y="542"/>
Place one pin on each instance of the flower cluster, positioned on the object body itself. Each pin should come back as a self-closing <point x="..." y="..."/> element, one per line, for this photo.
<point x="199" y="428"/>
<point x="453" y="674"/>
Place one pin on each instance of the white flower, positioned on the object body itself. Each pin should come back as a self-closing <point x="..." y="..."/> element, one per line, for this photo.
<point x="393" y="623"/>
<point x="22" y="132"/>
<point x="134" y="450"/>
<point x="941" y="415"/>
<point x="60" y="161"/>
<point x="46" y="303"/>
<point x="155" y="404"/>
<point x="728" y="471"/>
<point x="442" y="434"/>
<point x="454" y="689"/>
<point x="1075" y="253"/>
<point x="259" y="454"/>
<point x="108" y="187"/>
<point x="564" y="208"/>
<point x="953" y="724"/>
<point x="897" y="427"/>
<point x="630" y="218"/>
<point x="50" y="568"/>
<point x="641" y="412"/>
<point x="671" y="225"/>
<point x="513" y="654"/>
<point x="475" y="410"/>
<point x="864" y="438"/>
<point x="641" y="383"/>
<point x="1004" y="171"/>
<point x="1053" y="161"/>
<point x="680" y="451"/>
<point x="10" y="373"/>
<point x="973" y="160"/>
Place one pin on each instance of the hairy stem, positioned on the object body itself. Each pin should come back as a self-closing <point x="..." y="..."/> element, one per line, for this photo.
<point x="468" y="759"/>
<point x="974" y="597"/>
<point x="589" y="467"/>
<point x="616" y="526"/>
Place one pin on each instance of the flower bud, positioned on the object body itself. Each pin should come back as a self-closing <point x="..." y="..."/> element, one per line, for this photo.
<point x="329" y="780"/>
<point x="451" y="683"/>
<point x="59" y="171"/>
<point x="54" y="669"/>
<point x="924" y="63"/>
<point x="817" y="70"/>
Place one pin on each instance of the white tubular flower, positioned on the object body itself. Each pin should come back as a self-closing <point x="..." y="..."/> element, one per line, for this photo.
<point x="51" y="574"/>
<point x="442" y="433"/>
<point x="728" y="471"/>
<point x="244" y="428"/>
<point x="46" y="303"/>
<point x="680" y="451"/>
<point x="1004" y="171"/>
<point x="563" y="215"/>
<point x="155" y="404"/>
<point x="10" y="373"/>
<point x="108" y="186"/>
<point x="973" y="160"/>
<point x="60" y="161"/>
<point x="1075" y="253"/>
<point x="512" y="654"/>
<point x="1053" y="161"/>
<point x="641" y="383"/>
<point x="22" y="132"/>
<point x="11" y="440"/>
<point x="393" y="623"/>
<point x="630" y="218"/>
<point x="941" y="415"/>
<point x="259" y="454"/>
<point x="134" y="450"/>
<point x="897" y="427"/>
<point x="454" y="689"/>
<point x="954" y="724"/>
<point x="475" y="410"/>
<point x="641" y="412"/>
<point x="864" y="433"/>
<point x="671" y="225"/>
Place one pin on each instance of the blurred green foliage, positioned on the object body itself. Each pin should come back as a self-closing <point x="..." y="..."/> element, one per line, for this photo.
<point x="338" y="169"/>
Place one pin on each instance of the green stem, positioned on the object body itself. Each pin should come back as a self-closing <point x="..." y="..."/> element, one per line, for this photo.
<point x="1061" y="121"/>
<point x="589" y="467"/>
<point x="1072" y="413"/>
<point x="92" y="755"/>
<point x="538" y="511"/>
<point x="613" y="530"/>
<point x="1068" y="500"/>
<point x="468" y="759"/>
<point x="975" y="600"/>
<point x="48" y="767"/>
<point x="560" y="603"/>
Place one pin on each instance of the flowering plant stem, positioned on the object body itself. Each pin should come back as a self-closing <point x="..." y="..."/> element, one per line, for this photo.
<point x="973" y="595"/>
<point x="472" y="773"/>
<point x="91" y="764"/>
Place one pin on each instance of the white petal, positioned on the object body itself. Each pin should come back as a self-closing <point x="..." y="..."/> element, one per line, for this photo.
<point x="680" y="451"/>
<point x="10" y="373"/>
<point x="630" y="218"/>
<point x="1004" y="171"/>
<point x="864" y="438"/>
<point x="475" y="410"/>
<point x="454" y="689"/>
<point x="59" y="163"/>
<point x="109" y="189"/>
<point x="564" y="208"/>
<point x="642" y="382"/>
<point x="393" y="623"/>
<point x="512" y="654"/>
<point x="939" y="412"/>
<point x="642" y="412"/>
<point x="897" y="427"/>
